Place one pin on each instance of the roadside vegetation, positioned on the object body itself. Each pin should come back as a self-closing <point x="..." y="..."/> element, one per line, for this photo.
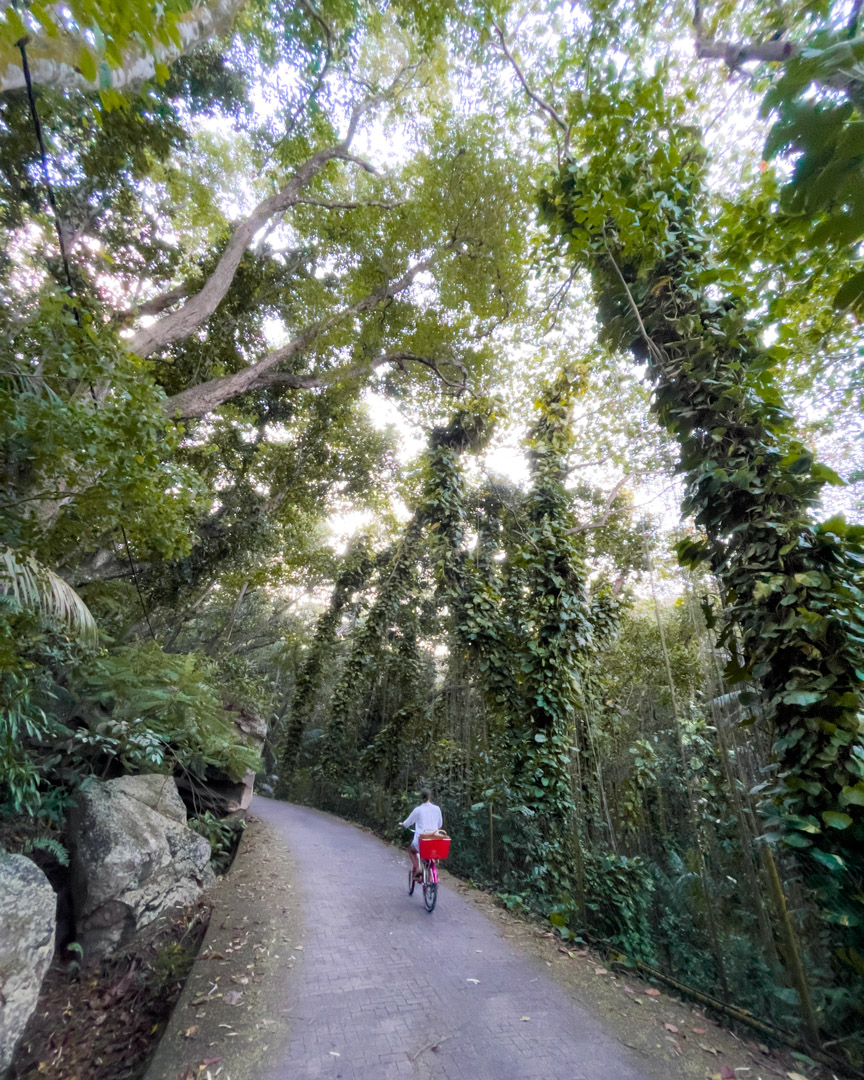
<point x="472" y="395"/>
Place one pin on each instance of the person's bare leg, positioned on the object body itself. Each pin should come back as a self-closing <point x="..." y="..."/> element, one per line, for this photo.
<point x="415" y="860"/>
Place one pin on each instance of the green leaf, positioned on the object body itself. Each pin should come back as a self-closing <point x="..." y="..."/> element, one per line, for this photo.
<point x="795" y="839"/>
<point x="836" y="820"/>
<point x="826" y="475"/>
<point x="811" y="578"/>
<point x="851" y="293"/>
<point x="835" y="525"/>
<point x="827" y="859"/>
<point x="87" y="65"/>
<point x="853" y="796"/>
<point x="802" y="697"/>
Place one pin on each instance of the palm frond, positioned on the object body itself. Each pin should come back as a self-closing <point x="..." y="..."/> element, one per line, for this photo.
<point x="32" y="585"/>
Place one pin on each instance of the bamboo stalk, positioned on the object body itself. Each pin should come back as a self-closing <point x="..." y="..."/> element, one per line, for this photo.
<point x="793" y="958"/>
<point x="746" y="834"/>
<point x="700" y="855"/>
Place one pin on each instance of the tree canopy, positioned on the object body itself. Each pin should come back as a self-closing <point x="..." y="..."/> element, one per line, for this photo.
<point x="472" y="394"/>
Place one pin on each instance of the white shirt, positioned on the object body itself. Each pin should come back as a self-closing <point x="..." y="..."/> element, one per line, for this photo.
<point x="425" y="818"/>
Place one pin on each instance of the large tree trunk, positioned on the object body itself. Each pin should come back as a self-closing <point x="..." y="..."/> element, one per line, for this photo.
<point x="53" y="61"/>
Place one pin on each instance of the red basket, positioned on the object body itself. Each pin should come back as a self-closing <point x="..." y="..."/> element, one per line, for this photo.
<point x="434" y="847"/>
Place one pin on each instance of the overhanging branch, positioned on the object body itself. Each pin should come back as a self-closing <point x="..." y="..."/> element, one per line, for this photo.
<point x="201" y="399"/>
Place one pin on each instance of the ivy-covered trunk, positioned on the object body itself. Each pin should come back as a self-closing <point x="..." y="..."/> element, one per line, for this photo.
<point x="549" y="571"/>
<point x="527" y="634"/>
<point x="358" y="564"/>
<point x="339" y="745"/>
<point x="793" y="619"/>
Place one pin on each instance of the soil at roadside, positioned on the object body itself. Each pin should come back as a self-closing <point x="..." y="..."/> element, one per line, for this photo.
<point x="104" y="1024"/>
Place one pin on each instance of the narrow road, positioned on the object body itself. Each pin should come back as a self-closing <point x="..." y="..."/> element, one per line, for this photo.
<point x="384" y="990"/>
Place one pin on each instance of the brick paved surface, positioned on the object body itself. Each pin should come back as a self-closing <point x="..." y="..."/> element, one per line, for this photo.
<point x="379" y="980"/>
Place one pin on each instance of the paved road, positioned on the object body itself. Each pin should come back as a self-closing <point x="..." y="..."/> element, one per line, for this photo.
<point x="380" y="981"/>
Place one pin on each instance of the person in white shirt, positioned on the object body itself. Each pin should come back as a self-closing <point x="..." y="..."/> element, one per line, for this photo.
<point x="424" y="818"/>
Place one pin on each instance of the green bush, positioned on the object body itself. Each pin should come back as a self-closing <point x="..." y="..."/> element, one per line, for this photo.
<point x="158" y="711"/>
<point x="223" y="835"/>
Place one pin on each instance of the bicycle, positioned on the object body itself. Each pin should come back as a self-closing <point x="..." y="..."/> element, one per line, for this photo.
<point x="431" y="849"/>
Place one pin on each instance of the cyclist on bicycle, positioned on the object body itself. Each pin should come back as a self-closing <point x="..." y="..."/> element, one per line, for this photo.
<point x="425" y="818"/>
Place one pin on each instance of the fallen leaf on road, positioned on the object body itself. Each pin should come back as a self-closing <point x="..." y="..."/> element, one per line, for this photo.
<point x="796" y="1076"/>
<point x="335" y="1053"/>
<point x="699" y="1031"/>
<point x="726" y="1073"/>
<point x="189" y="1033"/>
<point x="653" y="993"/>
<point x="708" y="1049"/>
<point x="672" y="1028"/>
<point x="210" y="1061"/>
<point x="233" y="997"/>
<point x="600" y="971"/>
<point x="524" y="1017"/>
<point x="475" y="981"/>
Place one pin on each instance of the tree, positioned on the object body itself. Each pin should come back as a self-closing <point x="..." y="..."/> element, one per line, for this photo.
<point x="105" y="46"/>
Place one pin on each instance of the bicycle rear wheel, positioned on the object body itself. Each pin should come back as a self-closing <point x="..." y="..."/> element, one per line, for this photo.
<point x="430" y="889"/>
<point x="411" y="881"/>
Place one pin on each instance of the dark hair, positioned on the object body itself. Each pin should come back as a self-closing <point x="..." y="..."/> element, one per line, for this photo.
<point x="425" y="794"/>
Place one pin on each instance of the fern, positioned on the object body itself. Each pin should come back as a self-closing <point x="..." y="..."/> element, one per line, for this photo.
<point x="47" y="843"/>
<point x="164" y="712"/>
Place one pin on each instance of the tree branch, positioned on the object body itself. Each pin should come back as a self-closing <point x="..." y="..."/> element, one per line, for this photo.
<point x="53" y="61"/>
<point x="157" y="304"/>
<point x="362" y="162"/>
<point x="538" y="101"/>
<point x="607" y="510"/>
<point x="736" y="54"/>
<point x="327" y="205"/>
<point x="181" y="323"/>
<point x="198" y="400"/>
<point x="318" y="380"/>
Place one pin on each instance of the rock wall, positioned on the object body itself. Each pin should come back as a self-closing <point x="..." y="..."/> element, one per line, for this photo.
<point x="216" y="791"/>
<point x="133" y="857"/>
<point x="28" y="908"/>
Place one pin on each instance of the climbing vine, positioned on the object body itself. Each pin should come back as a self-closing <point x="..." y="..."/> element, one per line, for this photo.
<point x="793" y="618"/>
<point x="356" y="568"/>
